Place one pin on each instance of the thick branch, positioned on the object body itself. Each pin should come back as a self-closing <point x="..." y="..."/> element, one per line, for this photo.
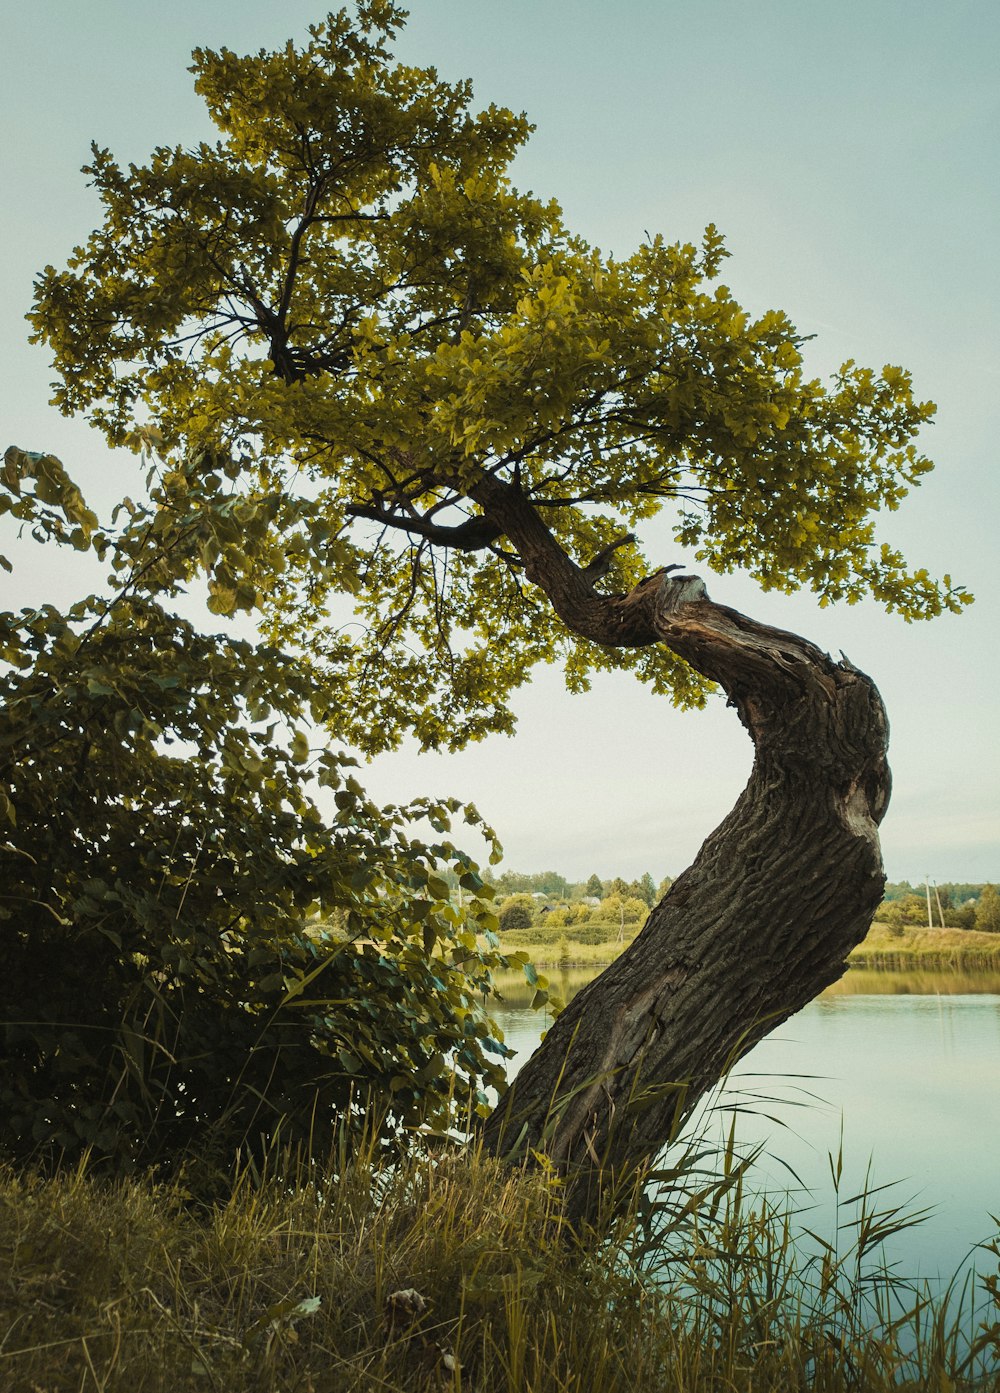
<point x="615" y="621"/>
<point x="473" y="535"/>
<point x="760" y="923"/>
<point x="601" y="563"/>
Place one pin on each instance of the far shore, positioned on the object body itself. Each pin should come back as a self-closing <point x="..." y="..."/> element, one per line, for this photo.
<point x="885" y="948"/>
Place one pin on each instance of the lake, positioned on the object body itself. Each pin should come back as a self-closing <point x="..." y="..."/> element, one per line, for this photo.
<point x="901" y="1069"/>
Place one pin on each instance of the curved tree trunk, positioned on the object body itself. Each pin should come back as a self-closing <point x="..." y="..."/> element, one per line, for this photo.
<point x="760" y="923"/>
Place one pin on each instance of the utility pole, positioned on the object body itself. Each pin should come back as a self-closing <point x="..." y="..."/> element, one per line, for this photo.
<point x="940" y="910"/>
<point x="927" y="887"/>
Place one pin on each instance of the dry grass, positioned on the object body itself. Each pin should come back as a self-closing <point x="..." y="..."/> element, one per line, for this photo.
<point x="134" y="1289"/>
<point x="909" y="947"/>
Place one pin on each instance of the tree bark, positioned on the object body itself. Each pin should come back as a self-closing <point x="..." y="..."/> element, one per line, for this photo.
<point x="758" y="926"/>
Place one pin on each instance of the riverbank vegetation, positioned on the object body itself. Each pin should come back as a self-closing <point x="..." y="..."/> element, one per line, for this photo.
<point x="887" y="946"/>
<point x="544" y="908"/>
<point x="458" y="1273"/>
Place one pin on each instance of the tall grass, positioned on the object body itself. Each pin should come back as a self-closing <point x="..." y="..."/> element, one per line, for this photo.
<point x="451" y="1271"/>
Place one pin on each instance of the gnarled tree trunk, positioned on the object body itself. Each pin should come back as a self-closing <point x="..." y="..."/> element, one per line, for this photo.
<point x="760" y="923"/>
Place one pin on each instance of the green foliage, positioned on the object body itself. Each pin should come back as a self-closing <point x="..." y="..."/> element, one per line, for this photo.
<point x="516" y="912"/>
<point x="645" y="890"/>
<point x="988" y="910"/>
<point x="618" y="909"/>
<point x="340" y="318"/>
<point x="595" y="887"/>
<point x="169" y="986"/>
<point x="600" y="930"/>
<point x="952" y="902"/>
<point x="909" y="909"/>
<point x="537" y="882"/>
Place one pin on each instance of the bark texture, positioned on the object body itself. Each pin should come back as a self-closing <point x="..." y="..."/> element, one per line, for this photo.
<point x="760" y="923"/>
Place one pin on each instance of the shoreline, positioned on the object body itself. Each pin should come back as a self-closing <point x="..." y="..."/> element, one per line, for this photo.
<point x="882" y="950"/>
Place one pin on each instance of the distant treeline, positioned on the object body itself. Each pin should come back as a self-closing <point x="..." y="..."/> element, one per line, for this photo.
<point x="556" y="887"/>
<point x="549" y="900"/>
<point x="952" y="892"/>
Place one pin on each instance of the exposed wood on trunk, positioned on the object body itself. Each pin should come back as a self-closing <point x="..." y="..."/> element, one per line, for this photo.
<point x="760" y="923"/>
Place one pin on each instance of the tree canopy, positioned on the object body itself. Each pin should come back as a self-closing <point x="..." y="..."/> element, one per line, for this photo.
<point x="402" y="410"/>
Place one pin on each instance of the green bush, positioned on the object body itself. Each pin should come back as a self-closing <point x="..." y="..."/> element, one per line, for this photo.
<point x="517" y="912"/>
<point x="161" y="860"/>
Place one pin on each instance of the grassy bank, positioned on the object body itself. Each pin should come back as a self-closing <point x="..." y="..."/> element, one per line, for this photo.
<point x="885" y="948"/>
<point x="453" y="1275"/>
<point x="937" y="949"/>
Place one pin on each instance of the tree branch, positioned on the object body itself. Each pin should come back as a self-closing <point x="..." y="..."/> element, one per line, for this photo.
<point x="475" y="534"/>
<point x="601" y="563"/>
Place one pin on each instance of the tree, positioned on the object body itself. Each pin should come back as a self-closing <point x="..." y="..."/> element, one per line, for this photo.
<point x="909" y="909"/>
<point x="988" y="910"/>
<point x="517" y="912"/>
<point x="514" y="883"/>
<point x="377" y="375"/>
<point x="595" y="888"/>
<point x="647" y="890"/>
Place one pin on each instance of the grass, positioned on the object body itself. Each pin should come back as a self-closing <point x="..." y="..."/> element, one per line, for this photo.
<point x="884" y="947"/>
<point x="457" y="1273"/>
<point x="909" y="947"/>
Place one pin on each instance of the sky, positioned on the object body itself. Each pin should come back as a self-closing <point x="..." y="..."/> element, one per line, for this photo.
<point x="849" y="154"/>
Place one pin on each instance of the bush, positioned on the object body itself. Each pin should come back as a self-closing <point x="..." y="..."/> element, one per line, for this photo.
<point x="516" y="912"/>
<point x="161" y="860"/>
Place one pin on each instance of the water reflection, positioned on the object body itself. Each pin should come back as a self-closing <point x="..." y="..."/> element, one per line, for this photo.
<point x="903" y="1068"/>
<point x="517" y="994"/>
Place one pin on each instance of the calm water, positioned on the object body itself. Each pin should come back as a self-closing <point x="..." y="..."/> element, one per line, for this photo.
<point x="903" y="1068"/>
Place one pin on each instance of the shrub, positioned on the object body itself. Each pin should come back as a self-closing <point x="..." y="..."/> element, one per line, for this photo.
<point x="517" y="912"/>
<point x="161" y="861"/>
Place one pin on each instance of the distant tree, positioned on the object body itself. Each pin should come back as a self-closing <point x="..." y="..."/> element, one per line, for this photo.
<point x="959" y="892"/>
<point x="619" y="887"/>
<point x="663" y="887"/>
<point x="908" y="909"/>
<point x="647" y="890"/>
<point x="516" y="912"/>
<point x="595" y="887"/>
<point x="514" y="883"/>
<point x="622" y="909"/>
<point x="988" y="910"/>
<point x="962" y="917"/>
<point x="551" y="883"/>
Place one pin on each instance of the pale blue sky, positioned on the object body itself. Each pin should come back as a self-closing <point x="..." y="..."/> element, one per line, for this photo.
<point x="848" y="151"/>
